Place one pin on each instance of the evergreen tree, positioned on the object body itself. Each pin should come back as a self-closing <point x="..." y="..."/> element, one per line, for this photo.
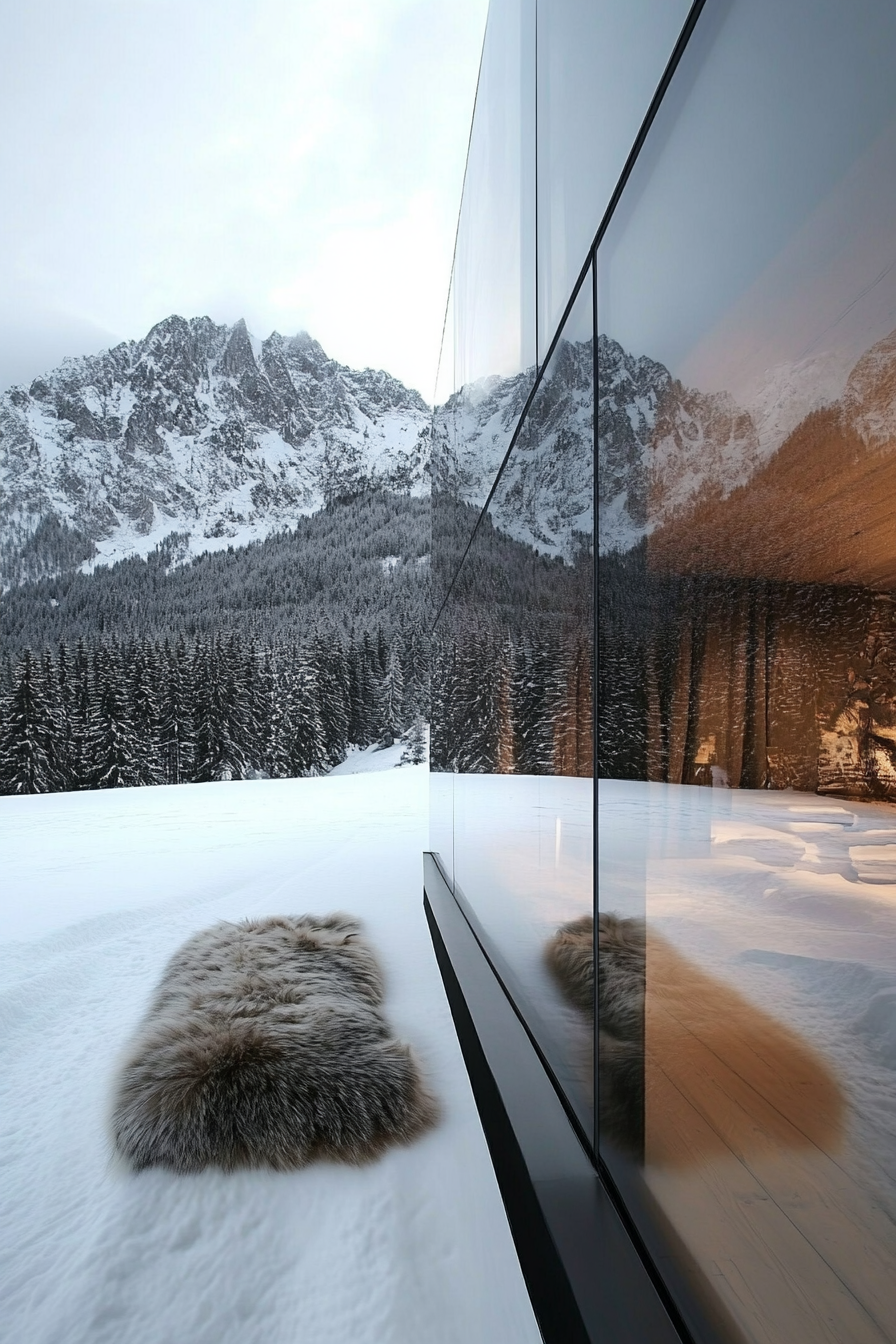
<point x="56" y="732"/>
<point x="113" y="743"/>
<point x="306" y="749"/>
<point x="532" y="710"/>
<point x="26" y="765"/>
<point x="329" y="663"/>
<point x="141" y="665"/>
<point x="391" y="697"/>
<point x="277" y="745"/>
<point x="82" y="711"/>
<point x="175" y="715"/>
<point x="415" y="748"/>
<point x="479" y="705"/>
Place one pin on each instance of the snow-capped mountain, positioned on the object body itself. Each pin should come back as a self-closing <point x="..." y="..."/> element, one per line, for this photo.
<point x="200" y="429"/>
<point x="545" y="495"/>
<point x="785" y="394"/>
<point x="817" y="507"/>
<point x="663" y="448"/>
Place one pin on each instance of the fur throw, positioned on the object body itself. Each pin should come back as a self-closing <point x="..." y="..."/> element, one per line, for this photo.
<point x="265" y="1045"/>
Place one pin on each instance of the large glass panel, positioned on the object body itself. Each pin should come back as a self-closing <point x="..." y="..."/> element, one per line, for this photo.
<point x="515" y="653"/>
<point x="599" y="63"/>
<point x="747" y="633"/>
<point x="452" y="519"/>
<point x="494" y="272"/>
<point x="488" y="354"/>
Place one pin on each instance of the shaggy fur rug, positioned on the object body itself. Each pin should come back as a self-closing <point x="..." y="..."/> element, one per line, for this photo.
<point x="265" y="1045"/>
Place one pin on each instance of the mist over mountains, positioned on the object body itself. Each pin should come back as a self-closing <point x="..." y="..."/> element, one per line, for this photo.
<point x="197" y="429"/>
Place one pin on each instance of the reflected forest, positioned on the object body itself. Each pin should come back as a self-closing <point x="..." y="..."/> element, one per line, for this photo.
<point x="746" y="620"/>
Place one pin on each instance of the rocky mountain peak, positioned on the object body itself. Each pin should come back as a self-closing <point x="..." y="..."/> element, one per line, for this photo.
<point x="197" y="428"/>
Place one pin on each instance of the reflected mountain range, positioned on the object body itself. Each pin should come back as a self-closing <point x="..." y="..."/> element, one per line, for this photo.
<point x="792" y="486"/>
<point x="545" y="496"/>
<point x="795" y="488"/>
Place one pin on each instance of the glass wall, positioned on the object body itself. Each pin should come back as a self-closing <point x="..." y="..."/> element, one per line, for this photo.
<point x="730" y="356"/>
<point x="599" y="63"/>
<point x="513" y="713"/>
<point x="747" y="440"/>
<point x="492" y="335"/>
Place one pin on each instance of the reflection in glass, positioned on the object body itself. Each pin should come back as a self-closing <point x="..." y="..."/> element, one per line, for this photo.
<point x="512" y="710"/>
<point x="746" y="412"/>
<point x="494" y="270"/>
<point x="599" y="63"/>
<point x="490" y="338"/>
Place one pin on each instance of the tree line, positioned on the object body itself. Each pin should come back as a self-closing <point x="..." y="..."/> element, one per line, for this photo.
<point x="360" y="564"/>
<point x="113" y="714"/>
<point x="512" y="701"/>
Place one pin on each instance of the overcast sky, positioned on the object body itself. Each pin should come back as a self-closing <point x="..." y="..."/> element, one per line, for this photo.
<point x="294" y="162"/>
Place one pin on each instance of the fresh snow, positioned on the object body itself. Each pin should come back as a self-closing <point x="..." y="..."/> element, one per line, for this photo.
<point x="367" y="760"/>
<point x="100" y="888"/>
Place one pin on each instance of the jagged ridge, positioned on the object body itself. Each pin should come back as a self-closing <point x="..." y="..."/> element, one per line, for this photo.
<point x="200" y="429"/>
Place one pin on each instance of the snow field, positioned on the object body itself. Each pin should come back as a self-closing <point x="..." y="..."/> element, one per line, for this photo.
<point x="99" y="890"/>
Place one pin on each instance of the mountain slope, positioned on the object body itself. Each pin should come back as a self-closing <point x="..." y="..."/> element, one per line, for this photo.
<point x="198" y="429"/>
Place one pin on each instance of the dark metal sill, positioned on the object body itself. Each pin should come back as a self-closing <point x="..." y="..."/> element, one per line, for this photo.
<point x="585" y="1278"/>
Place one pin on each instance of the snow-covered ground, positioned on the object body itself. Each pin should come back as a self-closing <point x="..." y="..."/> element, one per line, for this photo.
<point x="365" y="760"/>
<point x="98" y="890"/>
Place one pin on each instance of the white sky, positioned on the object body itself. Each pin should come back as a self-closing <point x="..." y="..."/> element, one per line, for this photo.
<point x="295" y="162"/>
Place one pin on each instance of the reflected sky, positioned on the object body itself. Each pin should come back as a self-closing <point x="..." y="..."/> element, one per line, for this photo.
<point x="494" y="270"/>
<point x="599" y="62"/>
<point x="758" y="227"/>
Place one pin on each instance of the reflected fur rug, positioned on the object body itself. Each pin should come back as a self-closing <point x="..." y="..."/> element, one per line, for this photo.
<point x="569" y="955"/>
<point x="265" y="1045"/>
<point x="721" y="1074"/>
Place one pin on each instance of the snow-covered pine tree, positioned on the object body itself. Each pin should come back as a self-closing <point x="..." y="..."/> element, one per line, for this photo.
<point x="478" y="707"/>
<point x="113" y="745"/>
<point x="248" y="709"/>
<point x="307" y="752"/>
<point x="417" y="673"/>
<point x="68" y="762"/>
<point x="56" y="732"/>
<point x="175" y="714"/>
<point x="216" y="755"/>
<point x="25" y="763"/>
<point x="391" y="697"/>
<point x="277" y="760"/>
<point x="82" y="716"/>
<point x="329" y="661"/>
<point x="415" y="743"/>
<point x="140" y="663"/>
<point x="531" y="709"/>
<point x="443" y="695"/>
<point x="364" y="722"/>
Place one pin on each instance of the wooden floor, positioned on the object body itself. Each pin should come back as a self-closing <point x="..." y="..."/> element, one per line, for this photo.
<point x="744" y="1127"/>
